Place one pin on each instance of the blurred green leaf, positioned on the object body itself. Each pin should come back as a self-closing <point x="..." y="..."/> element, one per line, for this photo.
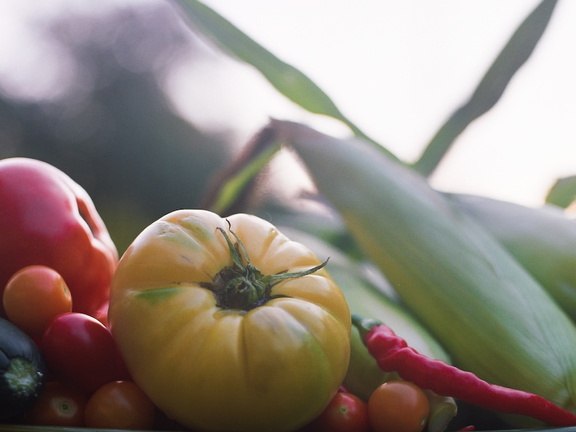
<point x="300" y="89"/>
<point x="288" y="80"/>
<point x="563" y="192"/>
<point x="234" y="184"/>
<point x="491" y="87"/>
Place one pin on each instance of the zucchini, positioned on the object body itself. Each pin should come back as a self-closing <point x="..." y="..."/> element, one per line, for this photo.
<point x="22" y="371"/>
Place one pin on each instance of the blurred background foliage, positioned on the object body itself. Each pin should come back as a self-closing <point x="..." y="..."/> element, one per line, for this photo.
<point x="110" y="125"/>
<point x="111" y="122"/>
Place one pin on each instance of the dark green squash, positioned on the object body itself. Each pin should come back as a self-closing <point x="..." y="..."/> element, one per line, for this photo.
<point x="22" y="371"/>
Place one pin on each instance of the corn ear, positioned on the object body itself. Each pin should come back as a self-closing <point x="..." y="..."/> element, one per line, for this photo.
<point x="488" y="312"/>
<point x="542" y="239"/>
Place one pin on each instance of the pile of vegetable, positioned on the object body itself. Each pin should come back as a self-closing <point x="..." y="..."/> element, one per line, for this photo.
<point x="60" y="364"/>
<point x="414" y="311"/>
<point x="227" y="324"/>
<point x="216" y="324"/>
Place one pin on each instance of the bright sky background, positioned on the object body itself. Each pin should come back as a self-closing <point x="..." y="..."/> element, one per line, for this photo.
<point x="397" y="69"/>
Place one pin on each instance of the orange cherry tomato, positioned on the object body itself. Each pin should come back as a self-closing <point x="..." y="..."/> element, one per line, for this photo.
<point x="58" y="405"/>
<point x="33" y="296"/>
<point x="398" y="406"/>
<point x="120" y="405"/>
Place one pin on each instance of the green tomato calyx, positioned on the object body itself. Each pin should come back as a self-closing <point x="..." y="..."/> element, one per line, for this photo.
<point x="241" y="285"/>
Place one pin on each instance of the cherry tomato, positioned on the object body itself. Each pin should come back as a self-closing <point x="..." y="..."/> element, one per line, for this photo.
<point x="33" y="296"/>
<point x="81" y="351"/>
<point x="345" y="413"/>
<point x="398" y="406"/>
<point x="120" y="405"/>
<point x="58" y="405"/>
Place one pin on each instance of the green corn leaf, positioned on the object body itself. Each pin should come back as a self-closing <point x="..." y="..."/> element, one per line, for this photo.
<point x="491" y="87"/>
<point x="288" y="80"/>
<point x="235" y="183"/>
<point x="300" y="89"/>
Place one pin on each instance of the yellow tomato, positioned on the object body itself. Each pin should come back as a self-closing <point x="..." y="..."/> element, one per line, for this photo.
<point x="228" y="325"/>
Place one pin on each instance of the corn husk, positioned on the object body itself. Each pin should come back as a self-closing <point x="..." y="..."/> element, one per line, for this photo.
<point x="490" y="314"/>
<point x="542" y="239"/>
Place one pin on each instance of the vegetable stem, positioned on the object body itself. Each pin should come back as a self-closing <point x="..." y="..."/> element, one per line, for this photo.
<point x="242" y="285"/>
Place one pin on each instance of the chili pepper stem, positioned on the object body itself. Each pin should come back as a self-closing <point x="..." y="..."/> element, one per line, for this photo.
<point x="364" y="325"/>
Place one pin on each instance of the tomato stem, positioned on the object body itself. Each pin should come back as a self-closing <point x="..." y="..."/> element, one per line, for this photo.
<point x="242" y="285"/>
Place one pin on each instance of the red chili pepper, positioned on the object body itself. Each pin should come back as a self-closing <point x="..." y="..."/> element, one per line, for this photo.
<point x="392" y="353"/>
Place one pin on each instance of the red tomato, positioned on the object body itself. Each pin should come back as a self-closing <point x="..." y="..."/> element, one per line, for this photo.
<point x="102" y="314"/>
<point x="80" y="351"/>
<point x="345" y="413"/>
<point x="34" y="296"/>
<point x="120" y="405"/>
<point x="47" y="218"/>
<point x="398" y="406"/>
<point x="58" y="405"/>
